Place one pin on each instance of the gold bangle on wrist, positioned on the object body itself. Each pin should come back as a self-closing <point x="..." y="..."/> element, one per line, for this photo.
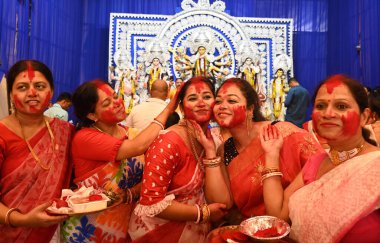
<point x="7" y="216"/>
<point x="271" y="174"/>
<point x="156" y="121"/>
<point x="214" y="162"/>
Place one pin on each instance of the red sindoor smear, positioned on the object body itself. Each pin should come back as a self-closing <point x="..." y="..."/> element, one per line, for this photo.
<point x="239" y="115"/>
<point x="351" y="123"/>
<point x="104" y="87"/>
<point x="30" y="72"/>
<point x="109" y="116"/>
<point x="331" y="84"/>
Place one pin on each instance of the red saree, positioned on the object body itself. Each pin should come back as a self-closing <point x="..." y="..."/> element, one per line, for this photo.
<point x="245" y="169"/>
<point x="24" y="184"/>
<point x="171" y="173"/>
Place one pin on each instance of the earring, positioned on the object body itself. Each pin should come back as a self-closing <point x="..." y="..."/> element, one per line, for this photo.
<point x="248" y="124"/>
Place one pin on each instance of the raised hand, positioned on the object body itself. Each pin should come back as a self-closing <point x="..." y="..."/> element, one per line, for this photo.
<point x="271" y="139"/>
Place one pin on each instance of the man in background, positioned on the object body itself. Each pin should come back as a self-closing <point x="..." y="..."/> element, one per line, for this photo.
<point x="59" y="109"/>
<point x="144" y="113"/>
<point x="296" y="101"/>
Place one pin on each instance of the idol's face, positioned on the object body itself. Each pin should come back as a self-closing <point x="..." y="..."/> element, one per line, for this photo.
<point x="336" y="114"/>
<point x="198" y="102"/>
<point x="201" y="50"/>
<point x="230" y="107"/>
<point x="31" y="92"/>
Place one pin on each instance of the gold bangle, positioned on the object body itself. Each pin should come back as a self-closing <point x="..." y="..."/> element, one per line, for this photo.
<point x="212" y="162"/>
<point x="155" y="121"/>
<point x="206" y="214"/>
<point x="271" y="174"/>
<point x="269" y="170"/>
<point x="7" y="216"/>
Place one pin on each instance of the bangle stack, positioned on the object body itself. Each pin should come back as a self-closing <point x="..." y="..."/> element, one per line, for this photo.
<point x="270" y="172"/>
<point x="156" y="121"/>
<point x="214" y="162"/>
<point x="203" y="214"/>
<point x="7" y="216"/>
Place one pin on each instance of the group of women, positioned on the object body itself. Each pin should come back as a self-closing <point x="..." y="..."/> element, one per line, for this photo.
<point x="186" y="182"/>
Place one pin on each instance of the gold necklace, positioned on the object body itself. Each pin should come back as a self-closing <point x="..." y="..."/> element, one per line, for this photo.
<point x="339" y="157"/>
<point x="31" y="150"/>
<point x="192" y="145"/>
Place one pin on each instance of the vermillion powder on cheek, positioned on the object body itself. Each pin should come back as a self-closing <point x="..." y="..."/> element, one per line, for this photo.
<point x="351" y="123"/>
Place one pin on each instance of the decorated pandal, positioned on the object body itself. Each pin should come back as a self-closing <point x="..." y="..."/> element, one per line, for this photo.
<point x="201" y="40"/>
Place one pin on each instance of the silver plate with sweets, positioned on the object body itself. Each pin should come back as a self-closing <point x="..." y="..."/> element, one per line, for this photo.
<point x="265" y="228"/>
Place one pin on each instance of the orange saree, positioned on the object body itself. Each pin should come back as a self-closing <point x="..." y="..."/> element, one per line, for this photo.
<point x="245" y="169"/>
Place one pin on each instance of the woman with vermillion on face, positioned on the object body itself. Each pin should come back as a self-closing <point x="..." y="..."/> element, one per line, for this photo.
<point x="237" y="109"/>
<point x="182" y="171"/>
<point x="34" y="156"/>
<point x="336" y="197"/>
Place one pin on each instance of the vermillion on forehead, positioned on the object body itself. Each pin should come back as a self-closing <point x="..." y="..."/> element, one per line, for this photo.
<point x="225" y="87"/>
<point x="103" y="87"/>
<point x="30" y="72"/>
<point x="351" y="123"/>
<point x="198" y="85"/>
<point x="332" y="83"/>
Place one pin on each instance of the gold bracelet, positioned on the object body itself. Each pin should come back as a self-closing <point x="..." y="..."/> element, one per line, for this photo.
<point x="269" y="170"/>
<point x="7" y="216"/>
<point x="206" y="214"/>
<point x="155" y="121"/>
<point x="271" y="174"/>
<point x="212" y="162"/>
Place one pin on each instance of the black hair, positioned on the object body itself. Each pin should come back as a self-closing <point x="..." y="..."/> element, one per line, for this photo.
<point x="24" y="65"/>
<point x="250" y="95"/>
<point x="64" y="96"/>
<point x="85" y="98"/>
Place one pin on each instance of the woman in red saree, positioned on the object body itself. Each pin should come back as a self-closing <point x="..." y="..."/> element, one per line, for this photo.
<point x="336" y="198"/>
<point x="237" y="109"/>
<point x="105" y="158"/>
<point x="34" y="157"/>
<point x="177" y="179"/>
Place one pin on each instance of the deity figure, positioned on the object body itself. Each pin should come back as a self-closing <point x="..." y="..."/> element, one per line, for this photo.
<point x="278" y="90"/>
<point x="155" y="71"/>
<point x="250" y="71"/>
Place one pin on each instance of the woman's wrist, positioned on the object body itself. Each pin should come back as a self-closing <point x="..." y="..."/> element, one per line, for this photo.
<point x="14" y="218"/>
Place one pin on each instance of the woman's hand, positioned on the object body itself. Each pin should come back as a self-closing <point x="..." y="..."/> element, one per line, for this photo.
<point x="37" y="217"/>
<point x="172" y="106"/>
<point x="204" y="139"/>
<point x="271" y="139"/>
<point x="217" y="211"/>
